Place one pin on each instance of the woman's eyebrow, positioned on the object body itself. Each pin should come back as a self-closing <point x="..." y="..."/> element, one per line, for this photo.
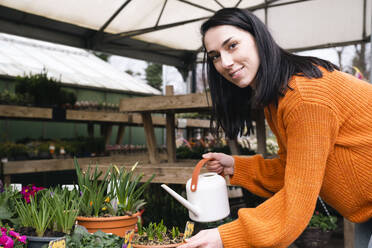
<point x="222" y="45"/>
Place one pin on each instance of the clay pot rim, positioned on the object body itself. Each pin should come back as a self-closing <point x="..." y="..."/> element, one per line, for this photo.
<point x="85" y="218"/>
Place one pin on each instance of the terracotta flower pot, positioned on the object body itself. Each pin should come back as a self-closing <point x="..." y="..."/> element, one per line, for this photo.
<point x="117" y="225"/>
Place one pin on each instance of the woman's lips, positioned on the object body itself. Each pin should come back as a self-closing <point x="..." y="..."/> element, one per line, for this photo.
<point x="236" y="73"/>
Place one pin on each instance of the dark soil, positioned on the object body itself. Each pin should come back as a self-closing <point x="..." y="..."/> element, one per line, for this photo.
<point x="30" y="231"/>
<point x="143" y="240"/>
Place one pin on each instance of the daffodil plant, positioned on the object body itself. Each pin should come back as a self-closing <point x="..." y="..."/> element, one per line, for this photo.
<point x="128" y="189"/>
<point x="116" y="193"/>
<point x="93" y="188"/>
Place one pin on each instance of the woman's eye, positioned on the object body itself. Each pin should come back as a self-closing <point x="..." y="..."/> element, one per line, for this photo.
<point x="233" y="45"/>
<point x="214" y="57"/>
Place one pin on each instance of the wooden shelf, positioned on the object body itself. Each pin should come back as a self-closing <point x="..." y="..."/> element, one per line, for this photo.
<point x="176" y="103"/>
<point x="23" y="112"/>
<point x="178" y="172"/>
<point x="96" y="116"/>
<point x="11" y="111"/>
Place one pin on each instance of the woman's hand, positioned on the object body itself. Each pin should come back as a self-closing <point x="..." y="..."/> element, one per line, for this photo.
<point x="209" y="238"/>
<point x="220" y="163"/>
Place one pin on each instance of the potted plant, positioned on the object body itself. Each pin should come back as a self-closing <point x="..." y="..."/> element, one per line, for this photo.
<point x="82" y="238"/>
<point x="155" y="235"/>
<point x="46" y="215"/>
<point x="112" y="211"/>
<point x="318" y="232"/>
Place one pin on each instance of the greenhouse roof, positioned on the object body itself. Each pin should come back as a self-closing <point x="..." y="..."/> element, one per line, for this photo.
<point x="167" y="31"/>
<point x="22" y="56"/>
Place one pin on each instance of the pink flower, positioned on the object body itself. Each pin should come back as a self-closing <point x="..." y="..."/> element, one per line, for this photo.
<point x="22" y="239"/>
<point x="13" y="234"/>
<point x="29" y="190"/>
<point x="17" y="236"/>
<point x="6" y="241"/>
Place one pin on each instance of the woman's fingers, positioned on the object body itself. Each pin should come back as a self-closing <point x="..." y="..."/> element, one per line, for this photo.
<point x="204" y="239"/>
<point x="215" y="166"/>
<point x="220" y="163"/>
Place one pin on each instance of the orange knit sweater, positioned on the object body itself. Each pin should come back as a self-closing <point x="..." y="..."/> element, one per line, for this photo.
<point x="324" y="131"/>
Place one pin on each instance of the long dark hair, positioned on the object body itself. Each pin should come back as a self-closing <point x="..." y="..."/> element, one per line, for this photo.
<point x="231" y="105"/>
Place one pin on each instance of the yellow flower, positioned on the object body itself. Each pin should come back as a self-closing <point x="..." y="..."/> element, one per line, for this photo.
<point x="104" y="208"/>
<point x="107" y="199"/>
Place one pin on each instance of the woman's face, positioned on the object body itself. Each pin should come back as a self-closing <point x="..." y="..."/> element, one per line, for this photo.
<point x="234" y="54"/>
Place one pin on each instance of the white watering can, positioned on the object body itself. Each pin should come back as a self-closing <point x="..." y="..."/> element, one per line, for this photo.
<point x="207" y="196"/>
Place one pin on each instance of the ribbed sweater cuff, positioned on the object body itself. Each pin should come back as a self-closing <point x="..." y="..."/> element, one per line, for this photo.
<point x="232" y="235"/>
<point x="243" y="168"/>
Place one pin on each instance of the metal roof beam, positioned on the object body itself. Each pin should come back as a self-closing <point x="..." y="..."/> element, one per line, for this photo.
<point x="97" y="39"/>
<point x="197" y="6"/>
<point x="161" y="13"/>
<point x="148" y="30"/>
<point x="104" y="26"/>
<point x="219" y="4"/>
<point x="269" y="4"/>
<point x="237" y="4"/>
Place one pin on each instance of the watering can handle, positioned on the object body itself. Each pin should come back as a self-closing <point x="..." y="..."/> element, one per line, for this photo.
<point x="196" y="172"/>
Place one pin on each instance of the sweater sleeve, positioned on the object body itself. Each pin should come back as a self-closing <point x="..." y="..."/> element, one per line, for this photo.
<point x="262" y="177"/>
<point x="311" y="130"/>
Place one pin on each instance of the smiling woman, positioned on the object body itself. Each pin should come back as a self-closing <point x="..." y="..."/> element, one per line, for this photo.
<point x="321" y="118"/>
<point x="234" y="54"/>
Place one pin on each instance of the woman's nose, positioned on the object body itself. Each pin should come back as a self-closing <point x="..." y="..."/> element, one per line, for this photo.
<point x="226" y="60"/>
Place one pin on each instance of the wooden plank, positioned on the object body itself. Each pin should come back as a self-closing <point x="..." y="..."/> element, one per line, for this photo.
<point x="98" y="116"/>
<point x="150" y="138"/>
<point x="11" y="111"/>
<point x="107" y="134"/>
<point x="120" y="136"/>
<point x="178" y="172"/>
<point x="177" y="103"/>
<point x="169" y="91"/>
<point x="170" y="173"/>
<point x="197" y="123"/>
<point x="170" y="130"/>
<point x="171" y="137"/>
<point x="45" y="165"/>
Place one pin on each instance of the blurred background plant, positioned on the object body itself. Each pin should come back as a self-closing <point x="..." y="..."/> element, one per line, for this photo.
<point x="44" y="91"/>
<point x="324" y="222"/>
<point x="8" y="213"/>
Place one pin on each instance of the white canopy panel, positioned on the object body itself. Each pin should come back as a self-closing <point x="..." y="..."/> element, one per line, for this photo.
<point x="22" y="56"/>
<point x="174" y="24"/>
